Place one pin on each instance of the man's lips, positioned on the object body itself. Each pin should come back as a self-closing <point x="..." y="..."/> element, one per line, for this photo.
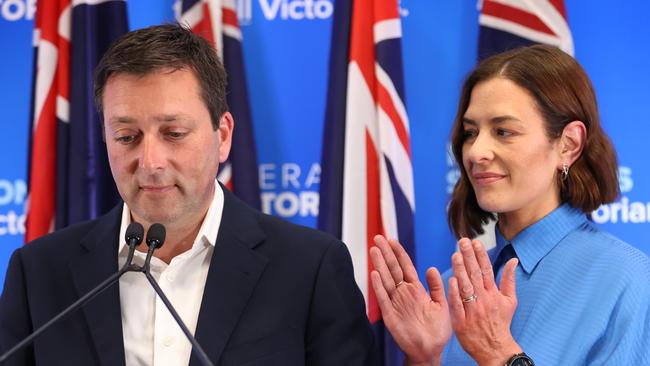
<point x="156" y="188"/>
<point x="487" y="178"/>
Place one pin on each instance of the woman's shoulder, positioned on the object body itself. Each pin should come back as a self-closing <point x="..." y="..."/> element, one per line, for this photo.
<point x="594" y="239"/>
<point x="608" y="253"/>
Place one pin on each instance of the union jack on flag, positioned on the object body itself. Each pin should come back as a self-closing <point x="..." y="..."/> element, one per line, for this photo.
<point x="216" y="20"/>
<point x="69" y="177"/>
<point x="508" y="24"/>
<point x="367" y="175"/>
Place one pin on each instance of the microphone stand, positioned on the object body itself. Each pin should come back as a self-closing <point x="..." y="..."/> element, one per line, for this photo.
<point x="128" y="267"/>
<point x="196" y="347"/>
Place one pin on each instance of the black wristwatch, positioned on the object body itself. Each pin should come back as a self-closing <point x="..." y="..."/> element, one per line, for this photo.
<point x="520" y="359"/>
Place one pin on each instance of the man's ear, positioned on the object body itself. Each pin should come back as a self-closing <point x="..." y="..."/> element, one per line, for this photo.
<point x="572" y="142"/>
<point x="225" y="129"/>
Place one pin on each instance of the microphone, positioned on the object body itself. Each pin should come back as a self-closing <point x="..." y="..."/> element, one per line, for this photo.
<point x="155" y="240"/>
<point x="133" y="237"/>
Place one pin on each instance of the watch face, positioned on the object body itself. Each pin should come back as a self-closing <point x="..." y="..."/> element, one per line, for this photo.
<point x="521" y="360"/>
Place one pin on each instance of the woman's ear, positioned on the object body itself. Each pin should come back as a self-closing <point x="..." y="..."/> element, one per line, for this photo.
<point x="572" y="142"/>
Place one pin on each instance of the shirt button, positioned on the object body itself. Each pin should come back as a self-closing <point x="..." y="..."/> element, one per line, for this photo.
<point x="168" y="341"/>
<point x="170" y="277"/>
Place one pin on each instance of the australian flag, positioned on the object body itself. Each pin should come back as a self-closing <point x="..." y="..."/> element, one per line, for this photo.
<point x="69" y="176"/>
<point x="367" y="175"/>
<point x="216" y="20"/>
<point x="510" y="24"/>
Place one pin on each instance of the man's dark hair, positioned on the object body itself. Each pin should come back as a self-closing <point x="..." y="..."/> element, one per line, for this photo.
<point x="161" y="47"/>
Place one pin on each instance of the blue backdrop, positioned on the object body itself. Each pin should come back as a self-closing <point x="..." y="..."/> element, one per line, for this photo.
<point x="286" y="62"/>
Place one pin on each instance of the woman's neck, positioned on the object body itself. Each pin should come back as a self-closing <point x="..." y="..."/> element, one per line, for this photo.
<point x="512" y="223"/>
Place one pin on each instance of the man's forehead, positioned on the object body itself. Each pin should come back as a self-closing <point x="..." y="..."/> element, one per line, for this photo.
<point x="137" y="74"/>
<point x="162" y="118"/>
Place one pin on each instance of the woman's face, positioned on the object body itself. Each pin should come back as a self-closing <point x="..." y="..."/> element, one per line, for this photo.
<point x="510" y="161"/>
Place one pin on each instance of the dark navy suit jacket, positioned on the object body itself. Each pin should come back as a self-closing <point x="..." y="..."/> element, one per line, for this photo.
<point x="276" y="294"/>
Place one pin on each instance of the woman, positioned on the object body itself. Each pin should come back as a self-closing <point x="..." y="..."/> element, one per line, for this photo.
<point x="528" y="138"/>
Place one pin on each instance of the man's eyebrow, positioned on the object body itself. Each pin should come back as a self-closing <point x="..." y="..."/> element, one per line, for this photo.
<point x="174" y="117"/>
<point x="167" y="117"/>
<point x="159" y="118"/>
<point x="121" y="119"/>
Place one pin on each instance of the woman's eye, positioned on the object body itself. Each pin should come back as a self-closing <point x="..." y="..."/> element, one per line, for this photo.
<point x="469" y="133"/>
<point x="504" y="133"/>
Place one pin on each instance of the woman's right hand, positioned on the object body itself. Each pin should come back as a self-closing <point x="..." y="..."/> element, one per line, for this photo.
<point x="418" y="321"/>
<point x="481" y="312"/>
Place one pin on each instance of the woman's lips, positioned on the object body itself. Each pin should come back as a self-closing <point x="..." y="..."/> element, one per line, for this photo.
<point x="487" y="178"/>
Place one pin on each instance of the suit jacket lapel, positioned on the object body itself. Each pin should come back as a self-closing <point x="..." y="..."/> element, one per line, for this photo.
<point x="98" y="261"/>
<point x="234" y="271"/>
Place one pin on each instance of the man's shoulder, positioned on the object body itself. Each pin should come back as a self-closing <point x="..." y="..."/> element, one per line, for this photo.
<point x="66" y="239"/>
<point x="279" y="227"/>
<point x="283" y="238"/>
<point x="277" y="230"/>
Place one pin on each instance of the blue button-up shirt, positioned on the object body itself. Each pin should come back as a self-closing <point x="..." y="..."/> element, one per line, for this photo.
<point x="583" y="295"/>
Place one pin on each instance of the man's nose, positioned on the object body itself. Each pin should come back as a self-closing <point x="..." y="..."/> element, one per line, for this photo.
<point x="154" y="156"/>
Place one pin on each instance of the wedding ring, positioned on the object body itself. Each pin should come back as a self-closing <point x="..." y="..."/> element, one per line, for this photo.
<point x="471" y="298"/>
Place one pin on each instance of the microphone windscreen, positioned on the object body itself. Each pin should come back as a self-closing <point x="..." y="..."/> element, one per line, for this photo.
<point x="134" y="231"/>
<point x="156" y="235"/>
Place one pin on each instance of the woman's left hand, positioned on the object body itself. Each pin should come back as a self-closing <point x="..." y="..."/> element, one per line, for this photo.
<point x="418" y="320"/>
<point x="481" y="313"/>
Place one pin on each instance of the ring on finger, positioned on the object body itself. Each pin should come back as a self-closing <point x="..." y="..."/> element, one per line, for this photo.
<point x="399" y="284"/>
<point x="470" y="299"/>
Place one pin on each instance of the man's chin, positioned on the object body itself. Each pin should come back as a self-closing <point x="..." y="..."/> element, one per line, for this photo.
<point x="152" y="215"/>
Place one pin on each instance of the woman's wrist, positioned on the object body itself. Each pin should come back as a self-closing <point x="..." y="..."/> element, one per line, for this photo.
<point x="500" y="356"/>
<point x="435" y="361"/>
<point x="431" y="357"/>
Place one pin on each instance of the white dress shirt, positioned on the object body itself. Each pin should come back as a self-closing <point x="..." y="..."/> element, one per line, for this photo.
<point x="151" y="336"/>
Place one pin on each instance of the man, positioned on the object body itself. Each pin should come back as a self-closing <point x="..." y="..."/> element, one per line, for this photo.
<point x="253" y="289"/>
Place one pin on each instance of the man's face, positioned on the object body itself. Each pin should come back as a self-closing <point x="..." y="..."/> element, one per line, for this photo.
<point x="162" y="148"/>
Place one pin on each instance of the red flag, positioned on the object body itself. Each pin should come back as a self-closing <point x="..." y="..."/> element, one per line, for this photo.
<point x="216" y="20"/>
<point x="51" y="101"/>
<point x="367" y="175"/>
<point x="69" y="176"/>
<point x="508" y="25"/>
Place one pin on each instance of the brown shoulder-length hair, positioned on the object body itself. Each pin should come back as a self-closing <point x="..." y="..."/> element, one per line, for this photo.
<point x="563" y="93"/>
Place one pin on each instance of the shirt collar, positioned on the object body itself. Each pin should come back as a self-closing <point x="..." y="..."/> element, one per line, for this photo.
<point x="209" y="227"/>
<point x="537" y="240"/>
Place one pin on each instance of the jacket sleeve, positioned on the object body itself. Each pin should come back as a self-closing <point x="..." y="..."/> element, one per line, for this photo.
<point x="14" y="313"/>
<point x="338" y="332"/>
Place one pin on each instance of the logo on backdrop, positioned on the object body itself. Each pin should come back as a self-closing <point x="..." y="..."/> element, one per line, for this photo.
<point x="625" y="210"/>
<point x="12" y="197"/>
<point x="453" y="172"/>
<point x="290" y="191"/>
<point x="285" y="10"/>
<point x="14" y="10"/>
